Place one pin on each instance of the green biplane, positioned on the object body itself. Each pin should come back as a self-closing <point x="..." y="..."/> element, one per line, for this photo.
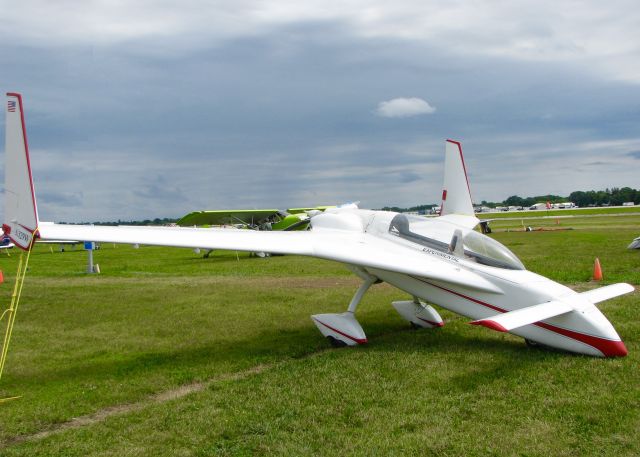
<point x="255" y="219"/>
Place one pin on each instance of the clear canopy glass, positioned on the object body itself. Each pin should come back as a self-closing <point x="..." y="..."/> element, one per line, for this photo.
<point x="445" y="237"/>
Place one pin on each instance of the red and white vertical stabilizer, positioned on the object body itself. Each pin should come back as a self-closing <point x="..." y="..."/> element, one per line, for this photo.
<point x="457" y="206"/>
<point x="456" y="194"/>
<point x="20" y="211"/>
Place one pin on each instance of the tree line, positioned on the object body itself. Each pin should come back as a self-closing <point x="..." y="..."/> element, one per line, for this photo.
<point x="613" y="197"/>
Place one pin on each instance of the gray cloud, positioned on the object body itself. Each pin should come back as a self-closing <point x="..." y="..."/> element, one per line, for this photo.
<point x="58" y="199"/>
<point x="191" y="111"/>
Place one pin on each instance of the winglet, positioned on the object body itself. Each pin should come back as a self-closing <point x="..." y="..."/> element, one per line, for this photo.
<point x="20" y="210"/>
<point x="456" y="193"/>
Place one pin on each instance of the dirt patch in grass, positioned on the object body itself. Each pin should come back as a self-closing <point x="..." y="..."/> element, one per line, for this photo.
<point x="161" y="397"/>
<point x="294" y="282"/>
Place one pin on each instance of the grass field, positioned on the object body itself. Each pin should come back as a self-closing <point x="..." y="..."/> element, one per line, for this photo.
<point x="617" y="210"/>
<point x="167" y="353"/>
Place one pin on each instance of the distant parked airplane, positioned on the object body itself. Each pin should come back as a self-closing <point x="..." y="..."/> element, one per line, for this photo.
<point x="256" y="219"/>
<point x="5" y="242"/>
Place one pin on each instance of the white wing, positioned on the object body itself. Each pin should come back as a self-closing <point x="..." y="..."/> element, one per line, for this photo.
<point x="339" y="245"/>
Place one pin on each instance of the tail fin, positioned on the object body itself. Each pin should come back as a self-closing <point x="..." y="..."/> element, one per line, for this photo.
<point x="20" y="210"/>
<point x="456" y="194"/>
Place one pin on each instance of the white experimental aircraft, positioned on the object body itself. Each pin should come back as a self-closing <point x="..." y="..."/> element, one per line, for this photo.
<point x="441" y="260"/>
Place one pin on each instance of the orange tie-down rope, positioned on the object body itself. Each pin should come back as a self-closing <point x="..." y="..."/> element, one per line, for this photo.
<point x="10" y="313"/>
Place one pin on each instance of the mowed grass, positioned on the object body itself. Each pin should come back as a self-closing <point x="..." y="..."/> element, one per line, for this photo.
<point x="167" y="353"/>
<point x="608" y="211"/>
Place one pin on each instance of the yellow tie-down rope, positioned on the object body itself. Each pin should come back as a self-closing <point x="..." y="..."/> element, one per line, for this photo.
<point x="10" y="313"/>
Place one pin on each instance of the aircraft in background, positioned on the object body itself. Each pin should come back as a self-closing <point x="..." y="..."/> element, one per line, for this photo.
<point x="5" y="242"/>
<point x="441" y="260"/>
<point x="635" y="244"/>
<point x="255" y="219"/>
<point x="61" y="243"/>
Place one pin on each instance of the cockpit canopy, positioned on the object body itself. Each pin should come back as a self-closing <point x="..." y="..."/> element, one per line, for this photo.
<point x="450" y="239"/>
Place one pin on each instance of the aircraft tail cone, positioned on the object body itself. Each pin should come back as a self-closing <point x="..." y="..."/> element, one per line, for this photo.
<point x="597" y="271"/>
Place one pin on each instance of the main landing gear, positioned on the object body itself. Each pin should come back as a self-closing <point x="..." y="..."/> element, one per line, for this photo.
<point x="343" y="329"/>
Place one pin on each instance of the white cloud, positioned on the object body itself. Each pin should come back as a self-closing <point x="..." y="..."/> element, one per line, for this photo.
<point x="404" y="107"/>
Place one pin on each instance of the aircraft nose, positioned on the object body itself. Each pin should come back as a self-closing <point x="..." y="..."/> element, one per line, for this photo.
<point x="594" y="329"/>
<point x="603" y="337"/>
<point x="616" y="349"/>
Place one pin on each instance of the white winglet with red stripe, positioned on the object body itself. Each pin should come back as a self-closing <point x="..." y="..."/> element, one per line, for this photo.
<point x="20" y="210"/>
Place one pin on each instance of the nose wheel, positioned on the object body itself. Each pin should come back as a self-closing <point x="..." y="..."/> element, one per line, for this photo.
<point x="419" y="314"/>
<point x="532" y="344"/>
<point x="336" y="343"/>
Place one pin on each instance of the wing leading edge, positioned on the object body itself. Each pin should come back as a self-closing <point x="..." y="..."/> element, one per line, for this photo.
<point x="342" y="246"/>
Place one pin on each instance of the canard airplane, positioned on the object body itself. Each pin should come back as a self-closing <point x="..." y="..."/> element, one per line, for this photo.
<point x="440" y="260"/>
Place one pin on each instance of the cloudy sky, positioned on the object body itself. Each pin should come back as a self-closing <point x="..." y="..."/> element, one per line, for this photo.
<point x="156" y="108"/>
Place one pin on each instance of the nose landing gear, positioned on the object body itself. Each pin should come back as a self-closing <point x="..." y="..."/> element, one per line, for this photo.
<point x="419" y="314"/>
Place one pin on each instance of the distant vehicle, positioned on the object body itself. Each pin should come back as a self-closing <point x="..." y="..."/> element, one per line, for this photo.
<point x="565" y="205"/>
<point x="628" y="204"/>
